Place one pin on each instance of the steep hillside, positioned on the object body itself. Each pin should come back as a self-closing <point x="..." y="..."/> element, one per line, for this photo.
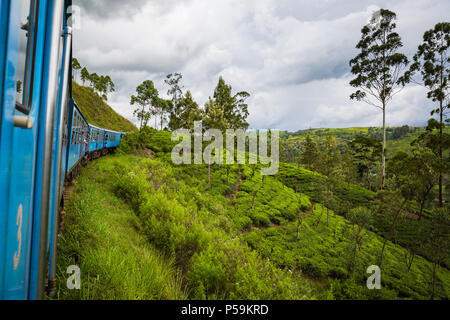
<point x="97" y="111"/>
<point x="239" y="236"/>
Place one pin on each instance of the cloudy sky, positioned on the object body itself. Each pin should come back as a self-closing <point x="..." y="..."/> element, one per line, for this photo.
<point x="290" y="55"/>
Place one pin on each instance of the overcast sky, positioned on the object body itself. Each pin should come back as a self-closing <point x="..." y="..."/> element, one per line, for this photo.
<point x="290" y="55"/>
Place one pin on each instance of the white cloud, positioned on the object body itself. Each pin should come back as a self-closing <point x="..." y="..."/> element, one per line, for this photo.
<point x="292" y="56"/>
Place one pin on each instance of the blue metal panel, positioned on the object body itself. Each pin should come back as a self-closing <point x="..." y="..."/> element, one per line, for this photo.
<point x="92" y="138"/>
<point x="18" y="152"/>
<point x="101" y="138"/>
<point x="45" y="14"/>
<point x="4" y="190"/>
<point x="74" y="147"/>
<point x="54" y="193"/>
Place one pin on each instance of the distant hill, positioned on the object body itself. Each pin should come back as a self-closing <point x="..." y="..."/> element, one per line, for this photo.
<point x="97" y="111"/>
<point x="398" y="138"/>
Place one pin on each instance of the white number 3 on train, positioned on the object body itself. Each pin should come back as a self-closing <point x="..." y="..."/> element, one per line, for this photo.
<point x="19" y="237"/>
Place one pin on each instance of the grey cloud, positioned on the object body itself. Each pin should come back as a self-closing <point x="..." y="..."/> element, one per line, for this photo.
<point x="292" y="56"/>
<point x="109" y="8"/>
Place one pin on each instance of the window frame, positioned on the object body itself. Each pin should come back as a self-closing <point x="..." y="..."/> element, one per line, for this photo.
<point x="30" y="59"/>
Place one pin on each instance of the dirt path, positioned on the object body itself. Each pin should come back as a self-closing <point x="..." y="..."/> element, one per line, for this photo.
<point x="237" y="186"/>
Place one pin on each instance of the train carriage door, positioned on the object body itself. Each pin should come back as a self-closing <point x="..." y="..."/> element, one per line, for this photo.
<point x="19" y="110"/>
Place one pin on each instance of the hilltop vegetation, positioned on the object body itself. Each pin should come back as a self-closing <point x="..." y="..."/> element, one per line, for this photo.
<point x="97" y="111"/>
<point x="398" y="138"/>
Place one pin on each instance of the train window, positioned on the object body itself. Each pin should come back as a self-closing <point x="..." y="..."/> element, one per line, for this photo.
<point x="74" y="128"/>
<point x="27" y="50"/>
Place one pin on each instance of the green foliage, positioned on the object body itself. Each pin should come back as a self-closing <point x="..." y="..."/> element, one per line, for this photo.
<point x="145" y="99"/>
<point x="147" y="138"/>
<point x="235" y="110"/>
<point x="76" y="66"/>
<point x="101" y="235"/>
<point x="196" y="229"/>
<point x="306" y="181"/>
<point x="175" y="91"/>
<point x="188" y="112"/>
<point x="432" y="61"/>
<point x="322" y="252"/>
<point x="366" y="154"/>
<point x="97" y="112"/>
<point x="101" y="84"/>
<point x="309" y="154"/>
<point x="408" y="230"/>
<point x="377" y="65"/>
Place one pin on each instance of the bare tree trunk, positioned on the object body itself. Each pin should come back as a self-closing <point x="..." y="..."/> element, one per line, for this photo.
<point x="209" y="172"/>
<point x="410" y="259"/>
<point x="320" y="217"/>
<point x="391" y="231"/>
<point x="436" y="265"/>
<point x="299" y="224"/>
<point x="383" y="155"/>
<point x="328" y="218"/>
<point x="142" y="118"/>
<point x="421" y="210"/>
<point x="441" y="202"/>
<point x="382" y="252"/>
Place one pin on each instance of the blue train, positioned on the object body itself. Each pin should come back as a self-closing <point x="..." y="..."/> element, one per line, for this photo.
<point x="44" y="139"/>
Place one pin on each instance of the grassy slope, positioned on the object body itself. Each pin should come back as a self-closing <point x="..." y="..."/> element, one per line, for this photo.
<point x="206" y="229"/>
<point x="101" y="237"/>
<point x="97" y="111"/>
<point x="324" y="252"/>
<point x="351" y="196"/>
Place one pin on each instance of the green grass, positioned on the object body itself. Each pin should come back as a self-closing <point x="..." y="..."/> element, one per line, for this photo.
<point x="323" y="253"/>
<point x="404" y="144"/>
<point x="102" y="237"/>
<point x="185" y="238"/>
<point x="97" y="111"/>
<point x="351" y="196"/>
<point x="344" y="135"/>
<point x="194" y="223"/>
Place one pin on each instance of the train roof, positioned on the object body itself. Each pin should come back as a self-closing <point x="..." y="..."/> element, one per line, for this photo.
<point x="91" y="125"/>
<point x="109" y="130"/>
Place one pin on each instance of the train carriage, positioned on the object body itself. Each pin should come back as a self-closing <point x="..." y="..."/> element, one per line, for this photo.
<point x="97" y="139"/>
<point x="112" y="138"/>
<point x="79" y="132"/>
<point x="42" y="135"/>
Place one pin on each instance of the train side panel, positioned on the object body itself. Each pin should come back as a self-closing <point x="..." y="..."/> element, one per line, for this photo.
<point x="53" y="29"/>
<point x="16" y="166"/>
<point x="22" y="89"/>
<point x="112" y="139"/>
<point x="79" y="129"/>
